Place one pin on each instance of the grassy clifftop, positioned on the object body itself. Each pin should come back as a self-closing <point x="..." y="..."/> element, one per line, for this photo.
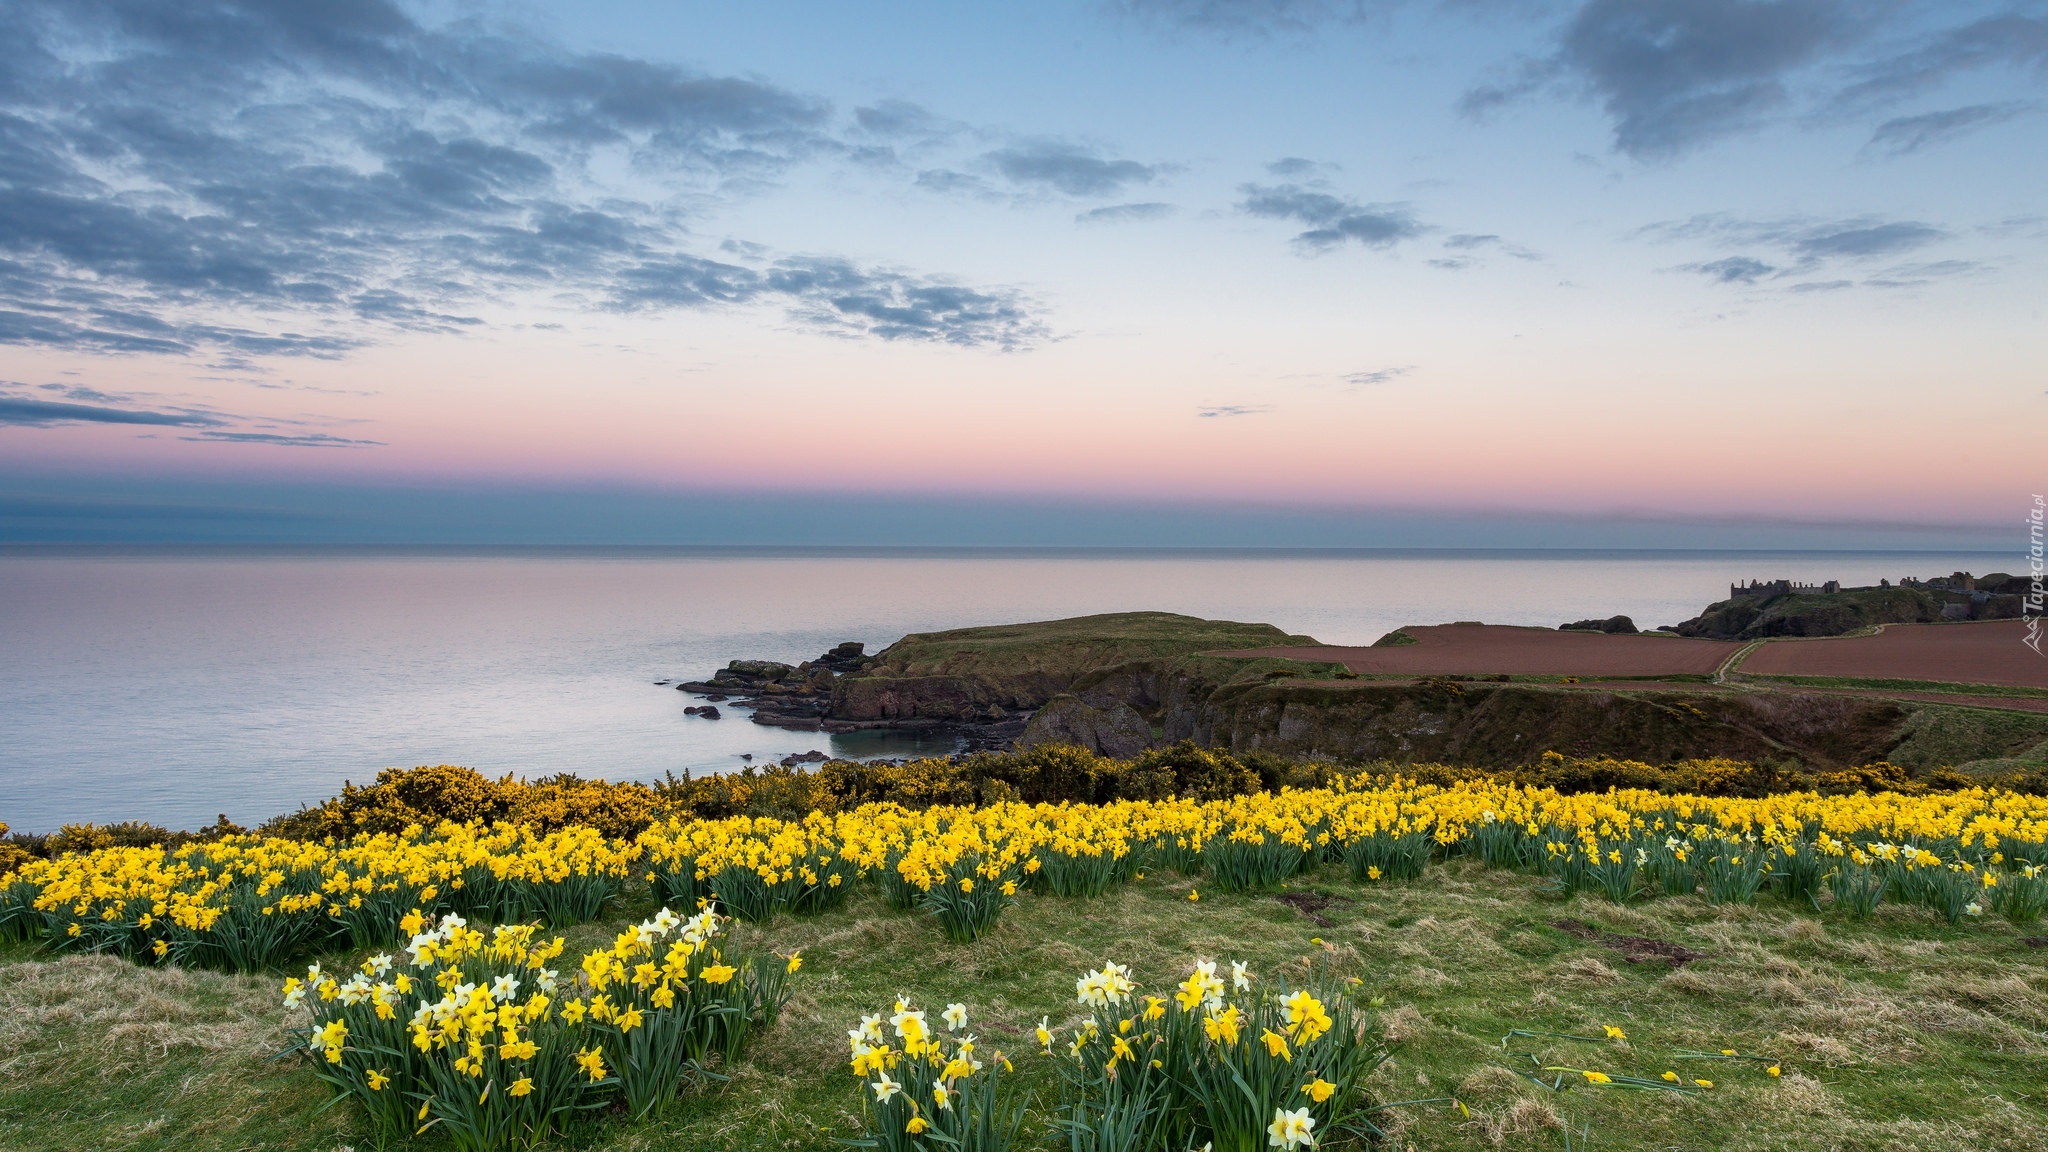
<point x="1068" y="648"/>
<point x="982" y="675"/>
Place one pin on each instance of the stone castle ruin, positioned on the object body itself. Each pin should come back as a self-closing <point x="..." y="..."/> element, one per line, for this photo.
<point x="1765" y="589"/>
<point x="1959" y="596"/>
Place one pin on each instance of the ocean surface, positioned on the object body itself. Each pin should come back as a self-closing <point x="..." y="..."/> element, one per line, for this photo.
<point x="171" y="685"/>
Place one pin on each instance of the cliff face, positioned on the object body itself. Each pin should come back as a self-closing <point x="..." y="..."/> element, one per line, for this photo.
<point x="1504" y="725"/>
<point x="1493" y="725"/>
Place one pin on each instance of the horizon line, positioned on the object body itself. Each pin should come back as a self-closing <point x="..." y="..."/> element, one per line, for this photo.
<point x="752" y="549"/>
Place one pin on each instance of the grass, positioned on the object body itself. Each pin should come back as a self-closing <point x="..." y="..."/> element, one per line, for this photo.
<point x="1068" y="648"/>
<point x="1899" y="1033"/>
<point x="1954" y="688"/>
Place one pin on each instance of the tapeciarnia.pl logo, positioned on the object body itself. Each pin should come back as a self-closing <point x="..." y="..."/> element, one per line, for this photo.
<point x="2031" y="608"/>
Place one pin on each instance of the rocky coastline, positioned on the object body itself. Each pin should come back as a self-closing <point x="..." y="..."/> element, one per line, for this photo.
<point x="813" y="697"/>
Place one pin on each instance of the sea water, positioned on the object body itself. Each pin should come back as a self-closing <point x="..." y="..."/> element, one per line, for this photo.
<point x="172" y="685"/>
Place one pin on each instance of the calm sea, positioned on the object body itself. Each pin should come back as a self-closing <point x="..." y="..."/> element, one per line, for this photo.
<point x="173" y="685"/>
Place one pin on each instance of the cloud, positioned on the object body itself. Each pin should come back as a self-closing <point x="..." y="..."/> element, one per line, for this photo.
<point x="1903" y="134"/>
<point x="1333" y="221"/>
<point x="841" y="297"/>
<point x="1861" y="240"/>
<point x="1125" y="213"/>
<point x="1917" y="274"/>
<point x="1376" y="376"/>
<point x="109" y="408"/>
<point x="23" y="411"/>
<point x="1219" y="410"/>
<point x="284" y="440"/>
<point x="331" y="174"/>
<point x="1258" y="17"/>
<point x="838" y="296"/>
<point x="1733" y="269"/>
<point x="1809" y="247"/>
<point x="1296" y="168"/>
<point x="945" y="181"/>
<point x="1671" y="75"/>
<point x="903" y="121"/>
<point x="2009" y="39"/>
<point x="1470" y="242"/>
<point x="1068" y="168"/>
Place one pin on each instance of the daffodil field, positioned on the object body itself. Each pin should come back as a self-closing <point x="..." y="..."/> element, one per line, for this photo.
<point x="463" y="1020"/>
<point x="252" y="904"/>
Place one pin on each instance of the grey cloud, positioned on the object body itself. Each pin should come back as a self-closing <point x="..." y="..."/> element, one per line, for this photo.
<point x="2008" y="39"/>
<point x="905" y="122"/>
<point x="684" y="281"/>
<point x="1295" y="168"/>
<point x="1673" y="74"/>
<point x="1125" y="213"/>
<point x="1904" y="134"/>
<point x="284" y="440"/>
<point x="1822" y="286"/>
<point x="21" y="410"/>
<point x="89" y="395"/>
<point x="841" y="297"/>
<point x="1915" y="275"/>
<point x="1676" y="72"/>
<point x="1474" y="242"/>
<point x="1068" y="168"/>
<point x="1452" y="263"/>
<point x="1257" y="17"/>
<point x="946" y="181"/>
<point x="1377" y="376"/>
<point x="1733" y="269"/>
<point x="346" y="171"/>
<point x="1333" y="221"/>
<point x="1810" y="247"/>
<point x="1864" y="240"/>
<point x="73" y="321"/>
<point x="1219" y="410"/>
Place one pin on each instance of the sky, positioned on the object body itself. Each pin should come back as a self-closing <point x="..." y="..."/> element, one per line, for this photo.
<point x="1660" y="273"/>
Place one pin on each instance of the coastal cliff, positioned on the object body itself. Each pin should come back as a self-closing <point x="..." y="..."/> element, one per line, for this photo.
<point x="1125" y="683"/>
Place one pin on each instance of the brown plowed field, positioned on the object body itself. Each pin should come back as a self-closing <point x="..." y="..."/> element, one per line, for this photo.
<point x="1492" y="649"/>
<point x="1990" y="652"/>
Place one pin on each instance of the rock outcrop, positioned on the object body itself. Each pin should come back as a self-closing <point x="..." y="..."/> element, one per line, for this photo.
<point x="1116" y="730"/>
<point x="1613" y="625"/>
